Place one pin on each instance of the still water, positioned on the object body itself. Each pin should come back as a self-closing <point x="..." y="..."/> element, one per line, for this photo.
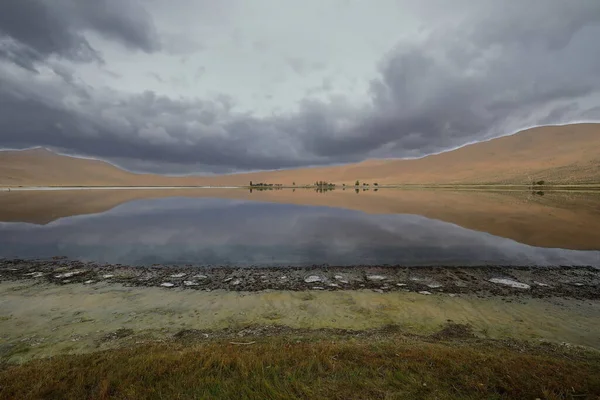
<point x="269" y="230"/>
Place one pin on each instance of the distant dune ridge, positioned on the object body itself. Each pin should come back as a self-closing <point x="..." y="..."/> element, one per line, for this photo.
<point x="567" y="154"/>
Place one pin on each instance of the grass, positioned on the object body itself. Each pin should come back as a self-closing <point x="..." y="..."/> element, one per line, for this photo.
<point x="389" y="366"/>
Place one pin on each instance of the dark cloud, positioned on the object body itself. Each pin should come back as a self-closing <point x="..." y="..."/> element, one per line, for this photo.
<point x="454" y="90"/>
<point x="505" y="68"/>
<point x="31" y="30"/>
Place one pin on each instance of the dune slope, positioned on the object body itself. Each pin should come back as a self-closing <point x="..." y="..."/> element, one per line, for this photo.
<point x="566" y="154"/>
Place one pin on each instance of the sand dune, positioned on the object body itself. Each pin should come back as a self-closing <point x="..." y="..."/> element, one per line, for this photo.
<point x="41" y="167"/>
<point x="521" y="216"/>
<point x="556" y="154"/>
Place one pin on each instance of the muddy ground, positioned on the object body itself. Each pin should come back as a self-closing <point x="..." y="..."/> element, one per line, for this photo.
<point x="560" y="281"/>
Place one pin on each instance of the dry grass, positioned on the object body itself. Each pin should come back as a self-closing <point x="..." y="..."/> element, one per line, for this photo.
<point x="390" y="367"/>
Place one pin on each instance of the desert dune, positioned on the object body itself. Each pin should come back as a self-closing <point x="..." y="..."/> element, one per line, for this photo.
<point x="568" y="154"/>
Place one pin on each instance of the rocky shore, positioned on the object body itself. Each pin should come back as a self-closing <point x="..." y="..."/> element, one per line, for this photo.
<point x="561" y="281"/>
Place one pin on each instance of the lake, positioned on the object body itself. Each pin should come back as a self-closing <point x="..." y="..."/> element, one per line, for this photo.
<point x="234" y="227"/>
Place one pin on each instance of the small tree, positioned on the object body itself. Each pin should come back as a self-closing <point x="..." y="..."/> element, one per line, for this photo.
<point x="250" y="183"/>
<point x="357" y="183"/>
<point x="376" y="184"/>
<point x="293" y="183"/>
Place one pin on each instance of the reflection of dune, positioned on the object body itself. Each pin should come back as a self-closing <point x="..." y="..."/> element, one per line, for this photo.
<point x="568" y="220"/>
<point x="556" y="154"/>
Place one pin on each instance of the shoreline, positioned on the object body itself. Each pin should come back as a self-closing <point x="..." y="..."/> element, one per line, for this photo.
<point x="85" y="330"/>
<point x="580" y="282"/>
<point x="591" y="187"/>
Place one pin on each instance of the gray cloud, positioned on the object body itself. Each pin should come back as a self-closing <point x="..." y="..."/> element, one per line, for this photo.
<point x="483" y="74"/>
<point x="461" y="86"/>
<point x="31" y="30"/>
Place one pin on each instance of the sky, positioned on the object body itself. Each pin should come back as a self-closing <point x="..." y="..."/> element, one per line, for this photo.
<point x="204" y="86"/>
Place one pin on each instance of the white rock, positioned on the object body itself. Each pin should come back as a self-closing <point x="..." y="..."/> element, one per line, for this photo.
<point x="510" y="282"/>
<point x="167" y="284"/>
<point x="313" y="279"/>
<point x="88" y="282"/>
<point x="236" y="282"/>
<point x="200" y="276"/>
<point x="36" y="274"/>
<point x="190" y="283"/>
<point x="400" y="284"/>
<point x="434" y="285"/>
<point x="227" y="279"/>
<point x="318" y="288"/>
<point x="452" y="295"/>
<point x="107" y="276"/>
<point x="339" y="277"/>
<point x="180" y="275"/>
<point x="424" y="292"/>
<point x="541" y="284"/>
<point x="68" y="274"/>
<point x="283" y="278"/>
<point x="334" y="285"/>
<point x="376" y="277"/>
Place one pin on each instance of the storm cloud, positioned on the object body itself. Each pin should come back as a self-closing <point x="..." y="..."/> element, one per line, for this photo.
<point x="328" y="84"/>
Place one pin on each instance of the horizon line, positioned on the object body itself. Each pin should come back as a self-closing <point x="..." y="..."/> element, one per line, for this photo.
<point x="196" y="174"/>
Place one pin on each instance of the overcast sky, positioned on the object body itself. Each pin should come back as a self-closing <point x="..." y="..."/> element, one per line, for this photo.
<point x="206" y="86"/>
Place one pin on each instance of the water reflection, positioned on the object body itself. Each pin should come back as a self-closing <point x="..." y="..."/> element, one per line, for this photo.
<point x="244" y="233"/>
<point x="558" y="220"/>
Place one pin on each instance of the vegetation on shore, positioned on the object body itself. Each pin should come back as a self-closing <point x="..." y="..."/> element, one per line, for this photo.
<point x="388" y="365"/>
